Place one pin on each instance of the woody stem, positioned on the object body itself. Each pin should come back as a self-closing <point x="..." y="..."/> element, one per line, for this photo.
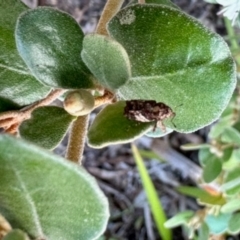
<point x="79" y="127"/>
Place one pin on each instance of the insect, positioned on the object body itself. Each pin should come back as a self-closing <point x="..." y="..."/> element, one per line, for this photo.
<point x="148" y="111"/>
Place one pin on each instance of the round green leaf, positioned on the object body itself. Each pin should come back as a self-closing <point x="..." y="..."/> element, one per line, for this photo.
<point x="212" y="169"/>
<point x="218" y="224"/>
<point x="16" y="82"/>
<point x="204" y="155"/>
<point x="111" y="127"/>
<point x="179" y="219"/>
<point x="50" y="43"/>
<point x="46" y="127"/>
<point x="107" y="60"/>
<point x="177" y="61"/>
<point x="47" y="196"/>
<point x="234" y="223"/>
<point x="16" y="235"/>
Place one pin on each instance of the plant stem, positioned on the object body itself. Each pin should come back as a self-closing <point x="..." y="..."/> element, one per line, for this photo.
<point x="77" y="139"/>
<point x="110" y="9"/>
<point x="11" y="118"/>
<point x="79" y="127"/>
<point x="141" y="1"/>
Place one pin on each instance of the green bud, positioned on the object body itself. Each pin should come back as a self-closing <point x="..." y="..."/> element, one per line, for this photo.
<point x="78" y="102"/>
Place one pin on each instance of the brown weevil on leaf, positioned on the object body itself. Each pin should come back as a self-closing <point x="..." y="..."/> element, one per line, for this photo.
<point x="148" y="111"/>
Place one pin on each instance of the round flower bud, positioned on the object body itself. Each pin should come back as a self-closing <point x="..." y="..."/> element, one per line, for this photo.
<point x="78" y="102"/>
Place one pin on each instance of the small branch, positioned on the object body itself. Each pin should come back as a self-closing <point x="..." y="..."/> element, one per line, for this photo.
<point x="108" y="97"/>
<point x="109" y="11"/>
<point x="76" y="140"/>
<point x="141" y="1"/>
<point x="79" y="128"/>
<point x="11" y="119"/>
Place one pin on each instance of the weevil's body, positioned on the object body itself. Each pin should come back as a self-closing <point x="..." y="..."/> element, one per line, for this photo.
<point x="148" y="111"/>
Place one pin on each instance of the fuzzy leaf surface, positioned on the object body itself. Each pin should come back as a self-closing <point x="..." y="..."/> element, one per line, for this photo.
<point x="46" y="127"/>
<point x="164" y="2"/>
<point x="107" y="60"/>
<point x="47" y="196"/>
<point x="16" y="235"/>
<point x="16" y="82"/>
<point x="52" y="53"/>
<point x="175" y="60"/>
<point x="111" y="127"/>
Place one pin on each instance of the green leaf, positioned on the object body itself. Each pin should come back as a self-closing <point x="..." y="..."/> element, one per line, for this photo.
<point x="6" y="104"/>
<point x="16" y="234"/>
<point x="107" y="60"/>
<point x="232" y="182"/>
<point x="204" y="155"/>
<point x="16" y="82"/>
<point x="193" y="146"/>
<point x="203" y="196"/>
<point x="231" y="135"/>
<point x="175" y="60"/>
<point x="233" y="160"/>
<point x="152" y="196"/>
<point x="164" y="2"/>
<point x="46" y="127"/>
<point x="220" y="126"/>
<point x="218" y="224"/>
<point x="234" y="223"/>
<point x="111" y="127"/>
<point x="212" y="169"/>
<point x="203" y="232"/>
<point x="179" y="219"/>
<point x="47" y="196"/>
<point x="231" y="206"/>
<point x="52" y="53"/>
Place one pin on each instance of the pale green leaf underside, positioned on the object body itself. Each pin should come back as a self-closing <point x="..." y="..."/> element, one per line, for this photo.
<point x="158" y="132"/>
<point x="179" y="219"/>
<point x="107" y="60"/>
<point x="231" y="206"/>
<point x="46" y="127"/>
<point x="111" y="127"/>
<point x="16" y="82"/>
<point x="218" y="224"/>
<point x="52" y="53"/>
<point x="47" y="196"/>
<point x="177" y="61"/>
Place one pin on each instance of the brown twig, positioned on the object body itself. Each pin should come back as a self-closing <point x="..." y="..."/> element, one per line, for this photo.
<point x="12" y="119"/>
<point x="110" y="9"/>
<point x="141" y="1"/>
<point x="107" y="97"/>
